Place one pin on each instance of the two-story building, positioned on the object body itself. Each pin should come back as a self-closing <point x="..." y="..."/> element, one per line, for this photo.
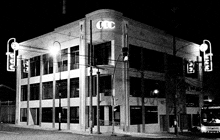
<point x="131" y="84"/>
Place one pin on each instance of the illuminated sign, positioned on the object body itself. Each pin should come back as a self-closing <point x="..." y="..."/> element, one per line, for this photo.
<point x="190" y="67"/>
<point x="10" y="61"/>
<point x="208" y="62"/>
<point x="105" y="24"/>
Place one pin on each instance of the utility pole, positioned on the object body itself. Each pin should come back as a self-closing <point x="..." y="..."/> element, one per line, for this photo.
<point x="175" y="86"/>
<point x="142" y="90"/>
<point x="90" y="80"/>
<point x="98" y="101"/>
<point x="174" y="9"/>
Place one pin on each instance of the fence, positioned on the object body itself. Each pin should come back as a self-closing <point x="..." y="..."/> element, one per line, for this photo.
<point x="7" y="111"/>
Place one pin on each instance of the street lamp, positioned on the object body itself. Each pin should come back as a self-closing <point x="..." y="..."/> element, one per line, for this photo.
<point x="206" y="48"/>
<point x="124" y="54"/>
<point x="54" y="52"/>
<point x="11" y="56"/>
<point x="113" y="103"/>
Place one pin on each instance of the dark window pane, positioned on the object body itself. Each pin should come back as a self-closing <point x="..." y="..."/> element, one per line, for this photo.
<point x="74" y="114"/>
<point x="47" y="114"/>
<point x="61" y="87"/>
<point x="48" y="64"/>
<point x="74" y="57"/>
<point x="62" y="60"/>
<point x="151" y="114"/>
<point x="47" y="90"/>
<point x="74" y="87"/>
<point x="102" y="53"/>
<point x="152" y="88"/>
<point x="35" y="66"/>
<point x="63" y="114"/>
<point x="153" y="60"/>
<point x="34" y="92"/>
<point x="23" y="115"/>
<point x="24" y="91"/>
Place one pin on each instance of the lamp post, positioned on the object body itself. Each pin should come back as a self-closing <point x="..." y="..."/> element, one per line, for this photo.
<point x="98" y="102"/>
<point x="12" y="67"/>
<point x="113" y="103"/>
<point x="55" y="51"/>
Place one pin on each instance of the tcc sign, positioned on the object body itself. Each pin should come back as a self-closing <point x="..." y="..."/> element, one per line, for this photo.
<point x="105" y="24"/>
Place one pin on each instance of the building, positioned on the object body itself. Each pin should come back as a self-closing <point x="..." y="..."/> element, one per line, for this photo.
<point x="151" y="65"/>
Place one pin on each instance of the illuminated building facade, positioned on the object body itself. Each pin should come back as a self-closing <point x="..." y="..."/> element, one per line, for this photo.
<point x="149" y="66"/>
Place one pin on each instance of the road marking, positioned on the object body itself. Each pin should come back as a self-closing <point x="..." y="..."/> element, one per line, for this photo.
<point x="9" y="132"/>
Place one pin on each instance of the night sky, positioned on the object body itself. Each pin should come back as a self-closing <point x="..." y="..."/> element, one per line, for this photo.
<point x="196" y="21"/>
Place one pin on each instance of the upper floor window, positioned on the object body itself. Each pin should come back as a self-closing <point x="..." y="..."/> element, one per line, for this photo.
<point x="35" y="66"/>
<point x="152" y="60"/>
<point x="62" y="60"/>
<point x="48" y="64"/>
<point x="105" y="85"/>
<point x="34" y="91"/>
<point x="24" y="91"/>
<point x="47" y="90"/>
<point x="74" y="87"/>
<point x="74" y="57"/>
<point x="102" y="53"/>
<point x="61" y="88"/>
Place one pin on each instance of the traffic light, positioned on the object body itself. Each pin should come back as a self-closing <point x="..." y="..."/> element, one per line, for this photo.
<point x="10" y="61"/>
<point x="125" y="53"/>
<point x="116" y="108"/>
<point x="25" y="66"/>
<point x="190" y="67"/>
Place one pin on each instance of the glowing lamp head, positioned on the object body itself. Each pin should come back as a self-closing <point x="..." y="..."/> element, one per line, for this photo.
<point x="54" y="51"/>
<point x="156" y="92"/>
<point x="15" y="46"/>
<point x="203" y="47"/>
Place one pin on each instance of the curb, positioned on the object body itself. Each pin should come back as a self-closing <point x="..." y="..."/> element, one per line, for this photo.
<point x="119" y="134"/>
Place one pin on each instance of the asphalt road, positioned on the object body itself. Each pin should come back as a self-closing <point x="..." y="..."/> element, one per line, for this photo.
<point x="10" y="132"/>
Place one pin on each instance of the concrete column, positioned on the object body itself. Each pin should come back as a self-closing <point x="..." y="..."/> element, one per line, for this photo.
<point x="18" y="90"/>
<point x="106" y="115"/>
<point x="83" y="83"/>
<point x="28" y="94"/>
<point x="54" y="89"/>
<point x="68" y="91"/>
<point x="41" y="89"/>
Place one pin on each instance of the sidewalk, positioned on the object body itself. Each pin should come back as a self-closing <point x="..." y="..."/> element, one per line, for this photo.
<point x="120" y="134"/>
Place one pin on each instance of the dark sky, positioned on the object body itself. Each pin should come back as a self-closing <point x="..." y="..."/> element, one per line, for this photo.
<point x="26" y="19"/>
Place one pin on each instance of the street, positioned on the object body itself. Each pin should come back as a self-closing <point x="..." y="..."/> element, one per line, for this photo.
<point x="10" y="132"/>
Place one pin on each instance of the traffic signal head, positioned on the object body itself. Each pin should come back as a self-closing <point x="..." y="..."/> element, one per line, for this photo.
<point x="191" y="67"/>
<point x="125" y="53"/>
<point x="25" y="66"/>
